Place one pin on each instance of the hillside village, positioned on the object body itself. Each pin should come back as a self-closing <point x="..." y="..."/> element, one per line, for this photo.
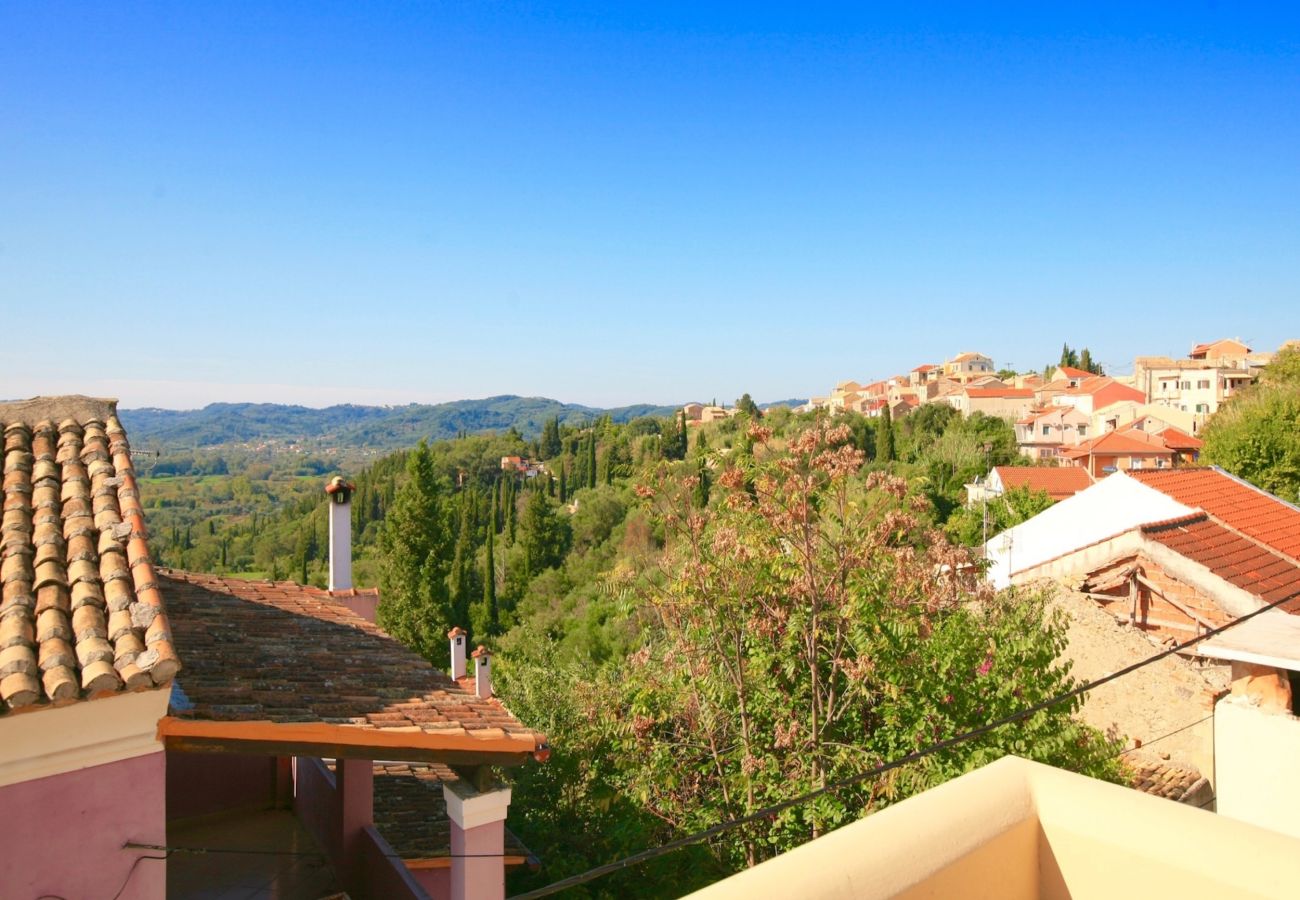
<point x="1071" y="416"/>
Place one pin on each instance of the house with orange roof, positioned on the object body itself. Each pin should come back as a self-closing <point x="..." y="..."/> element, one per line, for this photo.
<point x="923" y="374"/>
<point x="1211" y="373"/>
<point x="1043" y="433"/>
<point x="999" y="402"/>
<point x="965" y="366"/>
<point x="1095" y="393"/>
<point x="1058" y="482"/>
<point x="1119" y="451"/>
<point x="186" y="734"/>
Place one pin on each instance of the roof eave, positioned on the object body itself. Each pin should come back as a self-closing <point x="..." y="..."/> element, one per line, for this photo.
<point x="483" y="747"/>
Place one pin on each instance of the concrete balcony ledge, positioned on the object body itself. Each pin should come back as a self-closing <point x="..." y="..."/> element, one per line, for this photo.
<point x="1017" y="829"/>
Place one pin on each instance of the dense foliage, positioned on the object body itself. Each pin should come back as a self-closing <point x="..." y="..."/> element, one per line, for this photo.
<point x="704" y="619"/>
<point x="1254" y="434"/>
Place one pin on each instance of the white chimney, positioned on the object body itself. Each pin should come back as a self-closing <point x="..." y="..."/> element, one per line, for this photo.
<point x="457" y="636"/>
<point x="483" y="672"/>
<point x="340" y="494"/>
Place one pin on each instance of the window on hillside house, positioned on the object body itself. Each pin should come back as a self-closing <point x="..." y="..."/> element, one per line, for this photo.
<point x="1047" y="429"/>
<point x="1203" y="384"/>
<point x="1135" y="464"/>
<point x="1083" y="430"/>
<point x="1185" y="385"/>
<point x="1202" y="407"/>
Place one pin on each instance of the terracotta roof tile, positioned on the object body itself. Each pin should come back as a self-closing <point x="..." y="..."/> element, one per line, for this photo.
<point x="1058" y="481"/>
<point x="1120" y="443"/>
<point x="278" y="652"/>
<point x="1242" y="506"/>
<point x="1232" y="556"/>
<point x="1167" y="779"/>
<point x="81" y="615"/>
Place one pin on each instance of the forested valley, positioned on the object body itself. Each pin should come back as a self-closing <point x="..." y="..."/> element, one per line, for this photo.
<point x="704" y="620"/>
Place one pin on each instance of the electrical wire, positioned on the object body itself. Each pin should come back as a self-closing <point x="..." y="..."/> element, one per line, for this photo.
<point x="915" y="756"/>
<point x="131" y="871"/>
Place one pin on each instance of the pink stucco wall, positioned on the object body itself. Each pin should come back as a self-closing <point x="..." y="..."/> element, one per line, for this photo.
<point x="475" y="876"/>
<point x="63" y="835"/>
<point x="435" y="882"/>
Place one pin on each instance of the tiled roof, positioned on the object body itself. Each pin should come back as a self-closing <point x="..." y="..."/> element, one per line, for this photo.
<point x="280" y="654"/>
<point x="1231" y="555"/>
<point x="924" y="368"/>
<point x="1242" y="506"/>
<point x="1166" y="779"/>
<point x="1072" y="372"/>
<point x="411" y="814"/>
<point x="1177" y="439"/>
<point x="82" y="616"/>
<point x="1117" y="443"/>
<point x="1058" y="481"/>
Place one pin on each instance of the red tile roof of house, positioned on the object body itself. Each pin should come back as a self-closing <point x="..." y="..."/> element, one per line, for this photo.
<point x="1058" y="481"/>
<point x="925" y="368"/>
<point x="1106" y="391"/>
<point x="1234" y="557"/>
<point x="1242" y="506"/>
<point x="1072" y="372"/>
<point x="1000" y="392"/>
<point x="82" y="615"/>
<point x="1119" y="443"/>
<point x="1201" y="350"/>
<point x="303" y="668"/>
<point x="1177" y="439"/>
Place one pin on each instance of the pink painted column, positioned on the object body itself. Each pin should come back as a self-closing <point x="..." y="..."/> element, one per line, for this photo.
<point x="355" y="795"/>
<point x="478" y="825"/>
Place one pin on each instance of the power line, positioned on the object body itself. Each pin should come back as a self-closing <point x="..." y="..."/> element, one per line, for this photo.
<point x="915" y="756"/>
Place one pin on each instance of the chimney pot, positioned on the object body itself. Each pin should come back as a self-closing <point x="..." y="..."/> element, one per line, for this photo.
<point x="340" y="494"/>
<point x="457" y="637"/>
<point x="483" y="672"/>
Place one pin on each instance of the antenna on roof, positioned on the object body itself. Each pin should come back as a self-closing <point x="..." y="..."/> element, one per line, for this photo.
<point x="145" y="460"/>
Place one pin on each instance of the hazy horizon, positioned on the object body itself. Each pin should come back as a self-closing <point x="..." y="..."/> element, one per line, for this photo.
<point x="391" y="204"/>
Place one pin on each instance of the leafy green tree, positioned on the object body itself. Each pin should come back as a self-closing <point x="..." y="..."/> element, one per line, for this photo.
<point x="1255" y="435"/>
<point x="545" y="534"/>
<point x="747" y="406"/>
<point x="550" y="445"/>
<point x="885" y="437"/>
<point x="1087" y="364"/>
<point x="1018" y="504"/>
<point x="1069" y="357"/>
<point x="416" y="548"/>
<point x="812" y="629"/>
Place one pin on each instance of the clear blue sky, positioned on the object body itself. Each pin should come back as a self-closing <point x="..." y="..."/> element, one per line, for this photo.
<point x="419" y="202"/>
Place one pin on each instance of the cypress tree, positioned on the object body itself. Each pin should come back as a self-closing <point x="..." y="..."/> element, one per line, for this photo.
<point x="885" y="443"/>
<point x="564" y="487"/>
<point x="591" y="462"/>
<point x="490" y="588"/>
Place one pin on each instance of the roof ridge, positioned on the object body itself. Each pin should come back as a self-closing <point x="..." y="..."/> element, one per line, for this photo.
<point x="1197" y="515"/>
<point x="1253" y="540"/>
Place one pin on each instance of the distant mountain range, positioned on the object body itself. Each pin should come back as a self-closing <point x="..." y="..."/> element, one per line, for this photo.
<point x="360" y="427"/>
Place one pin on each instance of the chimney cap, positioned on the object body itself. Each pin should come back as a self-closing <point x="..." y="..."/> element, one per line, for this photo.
<point x="481" y="651"/>
<point x="337" y="483"/>
<point x="456" y="632"/>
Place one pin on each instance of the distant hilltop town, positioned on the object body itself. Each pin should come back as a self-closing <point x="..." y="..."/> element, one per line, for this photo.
<point x="1069" y="414"/>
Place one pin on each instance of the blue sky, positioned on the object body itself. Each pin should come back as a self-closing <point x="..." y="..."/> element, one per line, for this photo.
<point x="421" y="202"/>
